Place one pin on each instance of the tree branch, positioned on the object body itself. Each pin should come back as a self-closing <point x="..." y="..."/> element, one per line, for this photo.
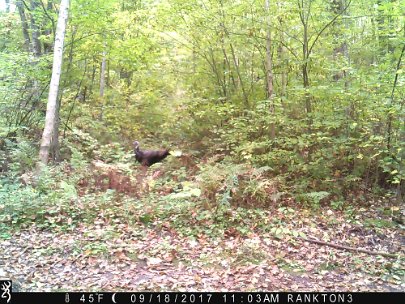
<point x="327" y="25"/>
<point x="389" y="255"/>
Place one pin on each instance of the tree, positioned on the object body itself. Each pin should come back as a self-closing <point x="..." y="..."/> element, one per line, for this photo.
<point x="24" y="24"/>
<point x="269" y="69"/>
<point x="7" y="6"/>
<point x="36" y="43"/>
<point x="51" y="119"/>
<point x="341" y="48"/>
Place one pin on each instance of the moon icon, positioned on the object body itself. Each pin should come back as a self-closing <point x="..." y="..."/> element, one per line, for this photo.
<point x="113" y="298"/>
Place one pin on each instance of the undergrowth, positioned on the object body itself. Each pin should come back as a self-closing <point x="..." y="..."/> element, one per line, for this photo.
<point x="217" y="198"/>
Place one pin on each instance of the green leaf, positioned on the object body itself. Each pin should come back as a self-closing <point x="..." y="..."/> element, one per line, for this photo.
<point x="302" y="234"/>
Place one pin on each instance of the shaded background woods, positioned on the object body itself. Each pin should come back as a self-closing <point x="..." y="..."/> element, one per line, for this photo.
<point x="196" y="74"/>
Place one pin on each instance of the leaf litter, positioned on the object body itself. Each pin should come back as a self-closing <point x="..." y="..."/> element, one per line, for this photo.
<point x="159" y="259"/>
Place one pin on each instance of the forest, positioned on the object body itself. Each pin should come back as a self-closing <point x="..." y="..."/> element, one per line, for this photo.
<point x="202" y="145"/>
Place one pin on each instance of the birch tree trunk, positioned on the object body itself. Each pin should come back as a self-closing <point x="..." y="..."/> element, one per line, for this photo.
<point x="51" y="119"/>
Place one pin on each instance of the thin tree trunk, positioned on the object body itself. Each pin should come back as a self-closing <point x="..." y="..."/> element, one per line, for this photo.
<point x="36" y="43"/>
<point x="7" y="6"/>
<point x="55" y="143"/>
<point x="102" y="72"/>
<point x="305" y="77"/>
<point x="304" y="16"/>
<point x="24" y="24"/>
<point x="35" y="46"/>
<point x="51" y="119"/>
<point x="49" y="27"/>
<point x="401" y="184"/>
<point x="107" y="78"/>
<point x="93" y="77"/>
<point x="77" y="97"/>
<point x="284" y="68"/>
<point x="269" y="70"/>
<point x="283" y="60"/>
<point x="222" y="90"/>
<point x="103" y="79"/>
<point x="338" y="7"/>
<point x="304" y="13"/>
<point x="269" y="63"/>
<point x="227" y="65"/>
<point x="236" y="64"/>
<point x="390" y="116"/>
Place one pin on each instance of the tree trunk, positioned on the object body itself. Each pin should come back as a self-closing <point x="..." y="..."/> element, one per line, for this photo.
<point x="102" y="72"/>
<point x="284" y="68"/>
<point x="222" y="89"/>
<point x="282" y="55"/>
<point x="305" y="79"/>
<point x="304" y="16"/>
<point x="269" y="70"/>
<point x="93" y="77"/>
<point x="269" y="63"/>
<point x="36" y="43"/>
<point x="392" y="103"/>
<point x="48" y="28"/>
<point x="341" y="49"/>
<point x="51" y="120"/>
<point x="304" y="13"/>
<point x="308" y="44"/>
<point x="7" y="6"/>
<point x="103" y="81"/>
<point x="240" y="80"/>
<point x="54" y="147"/>
<point x="401" y="184"/>
<point x="24" y="24"/>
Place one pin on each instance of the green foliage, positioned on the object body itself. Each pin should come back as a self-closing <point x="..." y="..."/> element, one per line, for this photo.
<point x="17" y="155"/>
<point x="193" y="75"/>
<point x="218" y="180"/>
<point x="83" y="142"/>
<point x="46" y="204"/>
<point x="18" y="205"/>
<point x="226" y="184"/>
<point x="113" y="153"/>
<point x="54" y="202"/>
<point x="313" y="198"/>
<point x="95" y="248"/>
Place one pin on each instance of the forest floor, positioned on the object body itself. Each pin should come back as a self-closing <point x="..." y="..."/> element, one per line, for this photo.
<point x="108" y="256"/>
<point x="123" y="244"/>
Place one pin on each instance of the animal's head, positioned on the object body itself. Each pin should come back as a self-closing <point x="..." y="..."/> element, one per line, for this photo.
<point x="136" y="144"/>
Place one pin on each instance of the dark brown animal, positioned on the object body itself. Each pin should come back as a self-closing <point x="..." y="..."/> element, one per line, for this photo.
<point x="149" y="157"/>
